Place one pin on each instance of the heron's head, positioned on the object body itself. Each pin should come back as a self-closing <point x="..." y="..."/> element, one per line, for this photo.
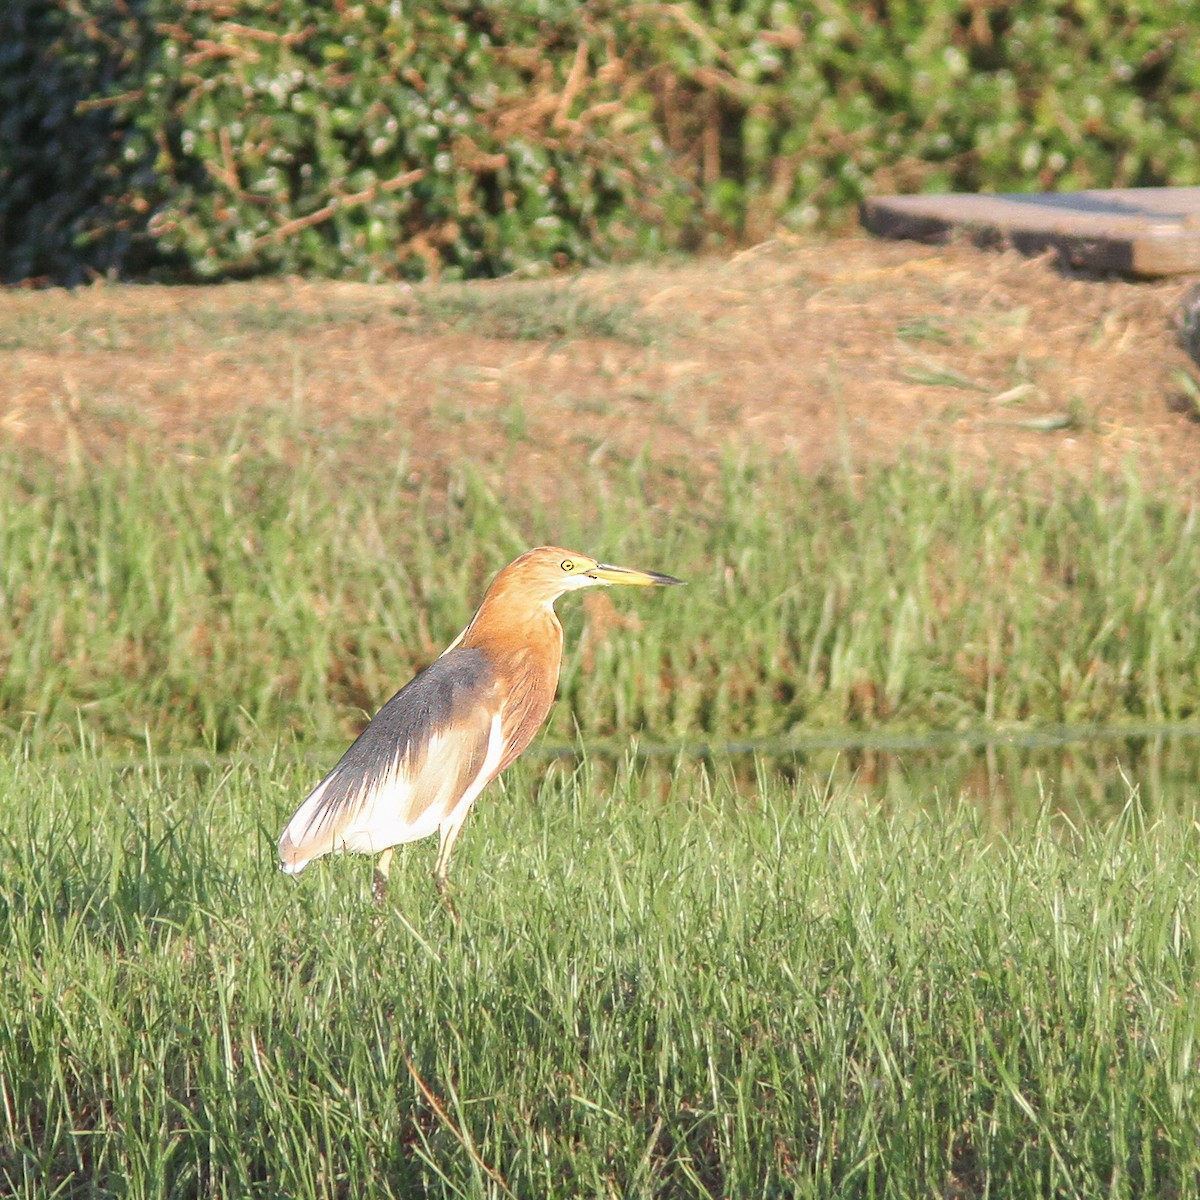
<point x="543" y="574"/>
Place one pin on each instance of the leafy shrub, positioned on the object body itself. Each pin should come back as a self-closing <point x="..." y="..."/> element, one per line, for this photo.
<point x="61" y="147"/>
<point x="372" y="139"/>
<point x="381" y="138"/>
<point x="794" y="111"/>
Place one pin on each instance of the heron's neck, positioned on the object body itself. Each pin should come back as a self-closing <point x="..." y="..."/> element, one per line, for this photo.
<point x="507" y="627"/>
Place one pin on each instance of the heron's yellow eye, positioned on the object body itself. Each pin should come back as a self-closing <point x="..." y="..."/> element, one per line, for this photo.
<point x="567" y="564"/>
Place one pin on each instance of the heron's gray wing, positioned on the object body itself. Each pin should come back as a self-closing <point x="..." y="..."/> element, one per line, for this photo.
<point x="433" y="746"/>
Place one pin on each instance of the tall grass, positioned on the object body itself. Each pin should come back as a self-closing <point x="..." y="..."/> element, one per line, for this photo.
<point x="658" y="989"/>
<point x="667" y="981"/>
<point x="208" y="600"/>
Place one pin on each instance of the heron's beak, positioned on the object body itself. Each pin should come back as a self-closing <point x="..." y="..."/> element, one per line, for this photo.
<point x="604" y="573"/>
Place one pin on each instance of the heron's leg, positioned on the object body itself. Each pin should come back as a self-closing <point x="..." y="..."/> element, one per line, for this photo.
<point x="379" y="883"/>
<point x="443" y="887"/>
<point x="447" y="832"/>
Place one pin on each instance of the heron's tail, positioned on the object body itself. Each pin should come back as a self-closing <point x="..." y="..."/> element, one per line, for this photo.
<point x="292" y="858"/>
<point x="310" y="833"/>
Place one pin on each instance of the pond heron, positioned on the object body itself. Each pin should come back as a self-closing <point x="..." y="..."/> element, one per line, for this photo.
<point x="424" y="758"/>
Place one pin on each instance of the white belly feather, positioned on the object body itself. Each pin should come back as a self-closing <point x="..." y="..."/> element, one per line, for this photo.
<point x="401" y="804"/>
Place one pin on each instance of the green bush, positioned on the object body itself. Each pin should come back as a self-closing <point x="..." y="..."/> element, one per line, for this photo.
<point x="460" y="138"/>
<point x="380" y="139"/>
<point x="793" y="112"/>
<point x="61" y="147"/>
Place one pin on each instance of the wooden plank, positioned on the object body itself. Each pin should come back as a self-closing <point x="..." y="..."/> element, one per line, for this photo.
<point x="1132" y="231"/>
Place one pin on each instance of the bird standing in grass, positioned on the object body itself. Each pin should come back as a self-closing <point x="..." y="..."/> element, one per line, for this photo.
<point x="438" y="742"/>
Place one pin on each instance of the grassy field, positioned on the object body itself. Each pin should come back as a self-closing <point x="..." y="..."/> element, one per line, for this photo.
<point x="659" y="988"/>
<point x="693" y="959"/>
<point x="226" y="599"/>
<point x="668" y="982"/>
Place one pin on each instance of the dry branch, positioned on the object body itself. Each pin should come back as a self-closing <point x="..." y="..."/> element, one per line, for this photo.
<point x="339" y="204"/>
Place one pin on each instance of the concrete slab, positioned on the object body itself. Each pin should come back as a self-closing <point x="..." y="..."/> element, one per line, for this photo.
<point x="1145" y="232"/>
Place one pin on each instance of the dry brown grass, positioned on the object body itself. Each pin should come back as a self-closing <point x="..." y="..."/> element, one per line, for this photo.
<point x="813" y="350"/>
